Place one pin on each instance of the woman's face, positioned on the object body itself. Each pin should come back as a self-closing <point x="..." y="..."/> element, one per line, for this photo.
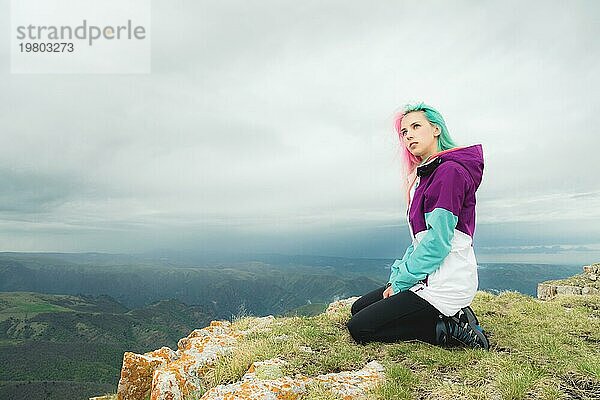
<point x="419" y="136"/>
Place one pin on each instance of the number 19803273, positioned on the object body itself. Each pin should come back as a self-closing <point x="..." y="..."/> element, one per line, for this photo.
<point x="46" y="47"/>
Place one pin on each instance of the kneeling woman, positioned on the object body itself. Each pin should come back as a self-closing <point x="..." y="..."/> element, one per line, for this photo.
<point x="429" y="291"/>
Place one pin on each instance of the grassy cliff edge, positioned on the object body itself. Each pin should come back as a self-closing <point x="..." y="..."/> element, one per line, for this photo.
<point x="540" y="349"/>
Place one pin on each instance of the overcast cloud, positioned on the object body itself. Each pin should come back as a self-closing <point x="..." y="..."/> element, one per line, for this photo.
<point x="265" y="126"/>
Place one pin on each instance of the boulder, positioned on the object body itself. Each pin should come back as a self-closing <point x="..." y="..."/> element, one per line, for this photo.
<point x="257" y="385"/>
<point x="175" y="375"/>
<point x="582" y="284"/>
<point x="137" y="372"/>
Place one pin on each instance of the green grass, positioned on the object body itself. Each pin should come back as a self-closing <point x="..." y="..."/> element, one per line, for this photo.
<point x="540" y="350"/>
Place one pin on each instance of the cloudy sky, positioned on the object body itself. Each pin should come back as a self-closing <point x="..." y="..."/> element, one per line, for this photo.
<point x="266" y="126"/>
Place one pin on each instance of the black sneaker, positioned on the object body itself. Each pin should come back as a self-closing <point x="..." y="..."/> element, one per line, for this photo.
<point x="468" y="311"/>
<point x="461" y="330"/>
<point x="466" y="314"/>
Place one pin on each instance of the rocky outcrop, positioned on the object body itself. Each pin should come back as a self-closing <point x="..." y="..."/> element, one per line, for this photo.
<point x="165" y="374"/>
<point x="583" y="284"/>
<point x="172" y="375"/>
<point x="592" y="271"/>
<point x="136" y="375"/>
<point x="255" y="385"/>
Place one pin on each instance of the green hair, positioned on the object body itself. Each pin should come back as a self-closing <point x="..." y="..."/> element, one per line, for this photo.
<point x="445" y="142"/>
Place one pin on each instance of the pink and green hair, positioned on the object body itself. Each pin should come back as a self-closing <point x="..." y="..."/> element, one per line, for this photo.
<point x="445" y="142"/>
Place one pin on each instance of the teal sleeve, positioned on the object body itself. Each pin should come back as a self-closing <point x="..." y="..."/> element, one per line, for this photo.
<point x="394" y="268"/>
<point x="430" y="252"/>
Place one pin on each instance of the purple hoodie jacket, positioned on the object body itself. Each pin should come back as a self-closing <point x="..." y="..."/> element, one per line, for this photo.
<point x="440" y="264"/>
<point x="450" y="187"/>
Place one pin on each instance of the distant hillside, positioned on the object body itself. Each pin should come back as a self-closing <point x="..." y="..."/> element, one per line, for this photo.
<point x="51" y="344"/>
<point x="225" y="287"/>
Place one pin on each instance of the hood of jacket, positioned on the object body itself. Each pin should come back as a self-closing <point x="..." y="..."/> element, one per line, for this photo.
<point x="470" y="157"/>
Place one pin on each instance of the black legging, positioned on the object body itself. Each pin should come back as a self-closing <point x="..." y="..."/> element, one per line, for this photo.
<point x="402" y="316"/>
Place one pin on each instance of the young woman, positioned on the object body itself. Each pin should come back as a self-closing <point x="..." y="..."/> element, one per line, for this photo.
<point x="429" y="291"/>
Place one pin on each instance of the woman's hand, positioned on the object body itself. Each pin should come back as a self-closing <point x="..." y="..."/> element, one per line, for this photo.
<point x="388" y="292"/>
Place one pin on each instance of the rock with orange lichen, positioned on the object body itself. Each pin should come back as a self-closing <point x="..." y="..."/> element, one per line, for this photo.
<point x="268" y="369"/>
<point x="170" y="375"/>
<point x="253" y="385"/>
<point x="136" y="374"/>
<point x="197" y="351"/>
<point x="177" y="375"/>
<point x="338" y="305"/>
<point x="285" y="388"/>
<point x="262" y="381"/>
<point x="168" y="384"/>
<point x="353" y="384"/>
